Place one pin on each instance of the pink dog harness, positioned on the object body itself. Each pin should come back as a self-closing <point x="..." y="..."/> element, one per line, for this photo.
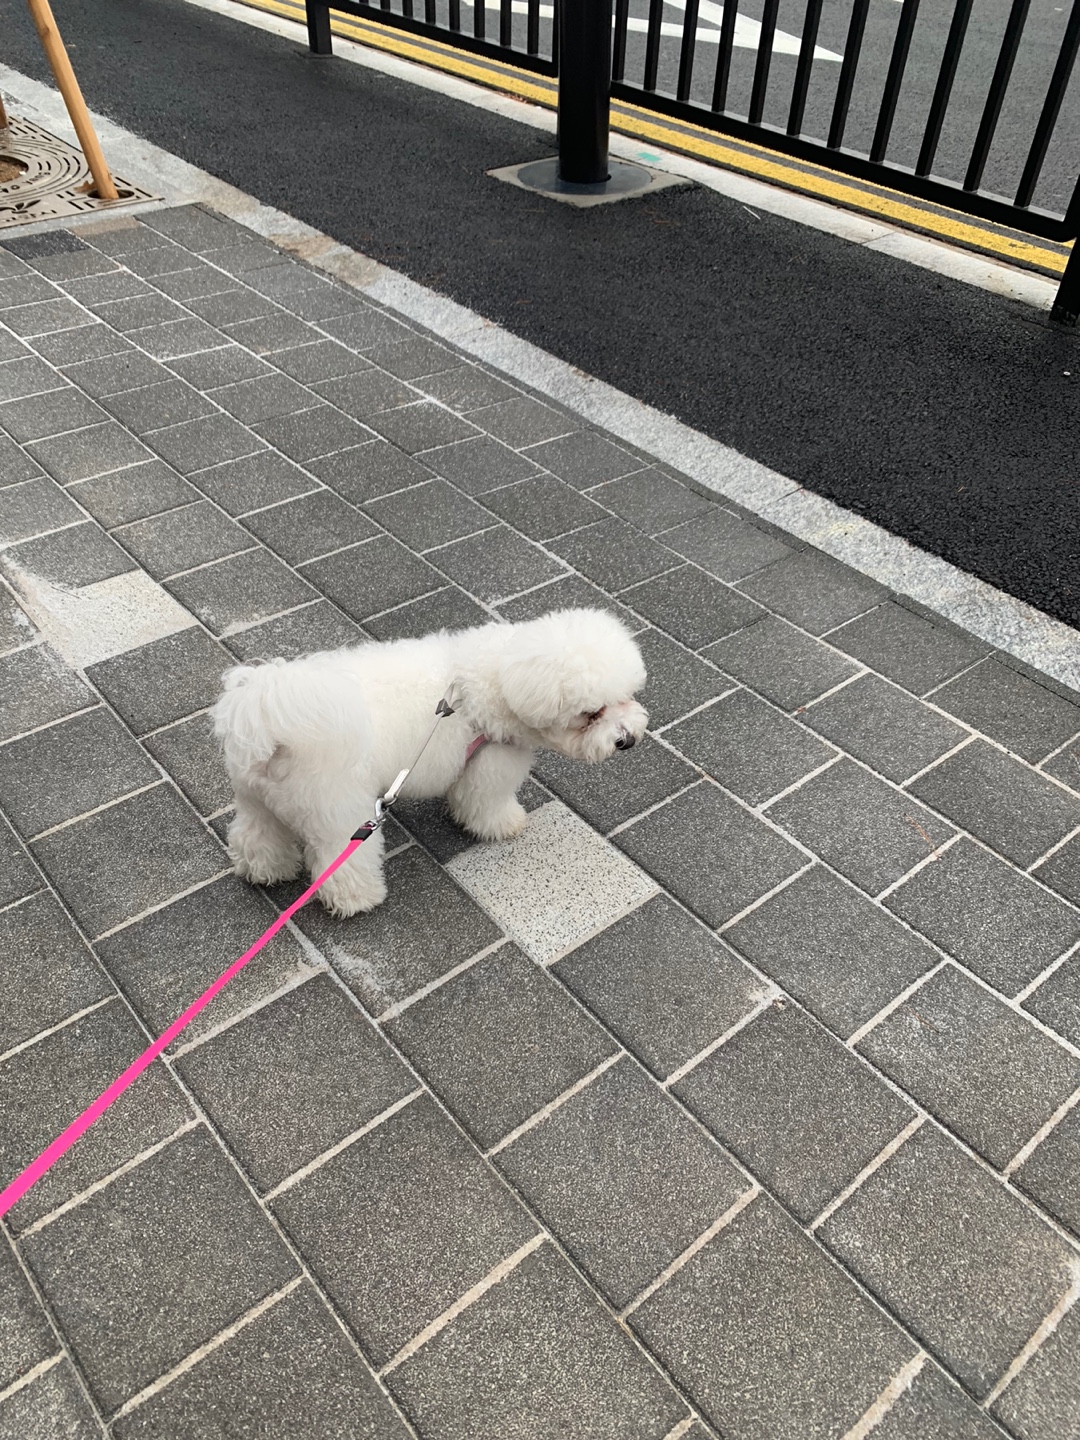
<point x="475" y="745"/>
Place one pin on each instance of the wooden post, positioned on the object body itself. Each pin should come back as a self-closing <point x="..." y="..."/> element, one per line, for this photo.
<point x="3" y="115"/>
<point x="76" y="106"/>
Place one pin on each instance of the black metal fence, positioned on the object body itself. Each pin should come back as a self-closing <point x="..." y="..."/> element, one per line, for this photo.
<point x="972" y="104"/>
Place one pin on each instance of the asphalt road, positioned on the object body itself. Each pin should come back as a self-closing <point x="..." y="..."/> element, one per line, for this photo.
<point x="936" y="409"/>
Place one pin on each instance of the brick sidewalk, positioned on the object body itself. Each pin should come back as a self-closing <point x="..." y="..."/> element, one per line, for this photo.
<point x="732" y="1100"/>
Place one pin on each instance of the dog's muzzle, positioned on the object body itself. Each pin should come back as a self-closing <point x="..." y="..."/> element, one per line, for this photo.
<point x="626" y="741"/>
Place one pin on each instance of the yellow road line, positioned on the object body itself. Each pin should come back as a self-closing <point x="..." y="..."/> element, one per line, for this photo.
<point x="745" y="157"/>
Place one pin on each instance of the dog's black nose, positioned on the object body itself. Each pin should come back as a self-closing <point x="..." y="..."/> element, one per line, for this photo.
<point x="625" y="742"/>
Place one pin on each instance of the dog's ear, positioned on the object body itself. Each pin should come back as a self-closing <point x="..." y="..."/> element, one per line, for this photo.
<point x="534" y="688"/>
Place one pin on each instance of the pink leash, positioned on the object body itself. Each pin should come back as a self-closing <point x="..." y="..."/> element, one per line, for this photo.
<point x="14" y="1192"/>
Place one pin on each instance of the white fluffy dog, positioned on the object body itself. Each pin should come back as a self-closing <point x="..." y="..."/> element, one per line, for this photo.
<point x="310" y="744"/>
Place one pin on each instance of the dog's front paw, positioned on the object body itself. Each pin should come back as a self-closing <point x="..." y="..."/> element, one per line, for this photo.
<point x="347" y="894"/>
<point x="506" y="825"/>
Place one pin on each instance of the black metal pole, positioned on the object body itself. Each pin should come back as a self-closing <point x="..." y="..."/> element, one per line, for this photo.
<point x="584" y="90"/>
<point x="1066" y="308"/>
<point x="320" y="40"/>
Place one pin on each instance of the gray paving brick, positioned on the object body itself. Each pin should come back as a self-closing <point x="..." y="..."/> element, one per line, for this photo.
<point x="1057" y="1000"/>
<point x="182" y="538"/>
<point x="176" y="338"/>
<point x="873" y="835"/>
<point x="36" y="688"/>
<point x="244" y="256"/>
<point x="710" y="853"/>
<point x="85" y="453"/>
<point x="16" y="627"/>
<point x="63" y="771"/>
<point x="430" y="514"/>
<point x="87" y="342"/>
<point x="584" y="458"/>
<point x="254" y="400"/>
<point x="1000" y="801"/>
<point x="302" y="291"/>
<point x="127" y="236"/>
<point x="54" y="413"/>
<point x="304" y="529"/>
<point x="18" y="878"/>
<point x="569" y="593"/>
<point x="226" y="365"/>
<point x="536" y="1356"/>
<point x="677" y="680"/>
<point x="308" y="434"/>
<point x="381" y="577"/>
<point x="466" y="387"/>
<point x="365" y="393"/>
<point x="767" y="1336"/>
<point x="524" y="421"/>
<point x="389" y="954"/>
<point x="813" y="590"/>
<point x="302" y="632"/>
<point x="119" y="862"/>
<point x="268" y="334"/>
<point x="323" y="360"/>
<point x="661" y="983"/>
<point x="413" y="358"/>
<point x="750" y="748"/>
<point x="400" y="1224"/>
<point x="977" y="1066"/>
<point x="195" y="228"/>
<point x="76" y="556"/>
<point x="907" y="648"/>
<point x="22" y="288"/>
<point x="112" y="374"/>
<point x="253" y="482"/>
<point x="162" y="262"/>
<point x="140" y="312"/>
<point x="795" y="1107"/>
<point x="158" y="406"/>
<point x="933" y="1408"/>
<point x="244" y="1078"/>
<point x="623" y="1179"/>
<point x="613" y="554"/>
<point x="421" y="426"/>
<point x="104" y="287"/>
<point x="191" y="754"/>
<point x="51" y="1405"/>
<point x="478" y="465"/>
<point x="962" y="1263"/>
<point x="446" y="609"/>
<point x="543" y="507"/>
<point x="26" y="1338"/>
<point x="366" y="471"/>
<point x="15" y="464"/>
<point x="29" y="376"/>
<point x="610" y="794"/>
<point x="51" y="974"/>
<point x="41" y="317"/>
<point x="496" y="564"/>
<point x="196" y="278"/>
<point x="196" y="444"/>
<point x="499" y="1042"/>
<point x="880" y="725"/>
<point x="993" y="920"/>
<point x="1026" y="718"/>
<point x="34" y="507"/>
<point x="228" y="307"/>
<point x="240" y="591"/>
<point x="780" y="662"/>
<point x="121" y="1271"/>
<point x="163" y="681"/>
<point x="1041" y="1403"/>
<point x="1049" y="1173"/>
<point x="290" y="1371"/>
<point x="652" y="500"/>
<point x="842" y="957"/>
<point x="165" y="961"/>
<point x="1065" y="766"/>
<point x="44" y="1087"/>
<point x="367" y="327"/>
<point x="692" y="606"/>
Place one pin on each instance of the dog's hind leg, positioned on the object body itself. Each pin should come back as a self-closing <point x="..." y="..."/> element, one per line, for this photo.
<point x="263" y="848"/>
<point x="357" y="885"/>
<point x="483" y="799"/>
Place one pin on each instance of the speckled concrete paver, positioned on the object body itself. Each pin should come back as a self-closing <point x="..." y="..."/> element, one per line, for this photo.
<point x="737" y="1098"/>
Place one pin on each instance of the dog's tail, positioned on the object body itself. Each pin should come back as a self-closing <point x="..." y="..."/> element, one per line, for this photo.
<point x="248" y="713"/>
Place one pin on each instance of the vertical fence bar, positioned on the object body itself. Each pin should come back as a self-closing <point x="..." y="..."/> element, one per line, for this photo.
<point x="852" y="51"/>
<point x="764" y="60"/>
<point x="320" y="37"/>
<point x="723" y="55"/>
<point x="584" y="90"/>
<point x="455" y="16"/>
<point x="950" y="59"/>
<point x="1014" y="28"/>
<point x="532" y="28"/>
<point x="1066" y="307"/>
<point x="479" y="19"/>
<point x="893" y="80"/>
<point x="686" y="51"/>
<point x="506" y="24"/>
<point x="805" y="66"/>
<point x="618" y="63"/>
<point x="431" y="13"/>
<point x="406" y="8"/>
<point x="1055" y="94"/>
<point x="652" y="44"/>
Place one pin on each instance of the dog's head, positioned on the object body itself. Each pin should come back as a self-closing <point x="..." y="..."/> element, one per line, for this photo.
<point x="569" y="680"/>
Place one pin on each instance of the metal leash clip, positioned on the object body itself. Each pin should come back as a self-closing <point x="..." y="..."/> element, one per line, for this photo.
<point x="446" y="706"/>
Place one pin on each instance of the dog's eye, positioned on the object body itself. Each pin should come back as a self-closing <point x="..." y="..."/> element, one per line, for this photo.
<point x="594" y="715"/>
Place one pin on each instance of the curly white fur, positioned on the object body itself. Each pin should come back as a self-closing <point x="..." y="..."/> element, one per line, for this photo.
<point x="310" y="744"/>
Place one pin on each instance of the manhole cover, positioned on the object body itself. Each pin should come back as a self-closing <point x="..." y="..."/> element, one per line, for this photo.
<point x="43" y="178"/>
